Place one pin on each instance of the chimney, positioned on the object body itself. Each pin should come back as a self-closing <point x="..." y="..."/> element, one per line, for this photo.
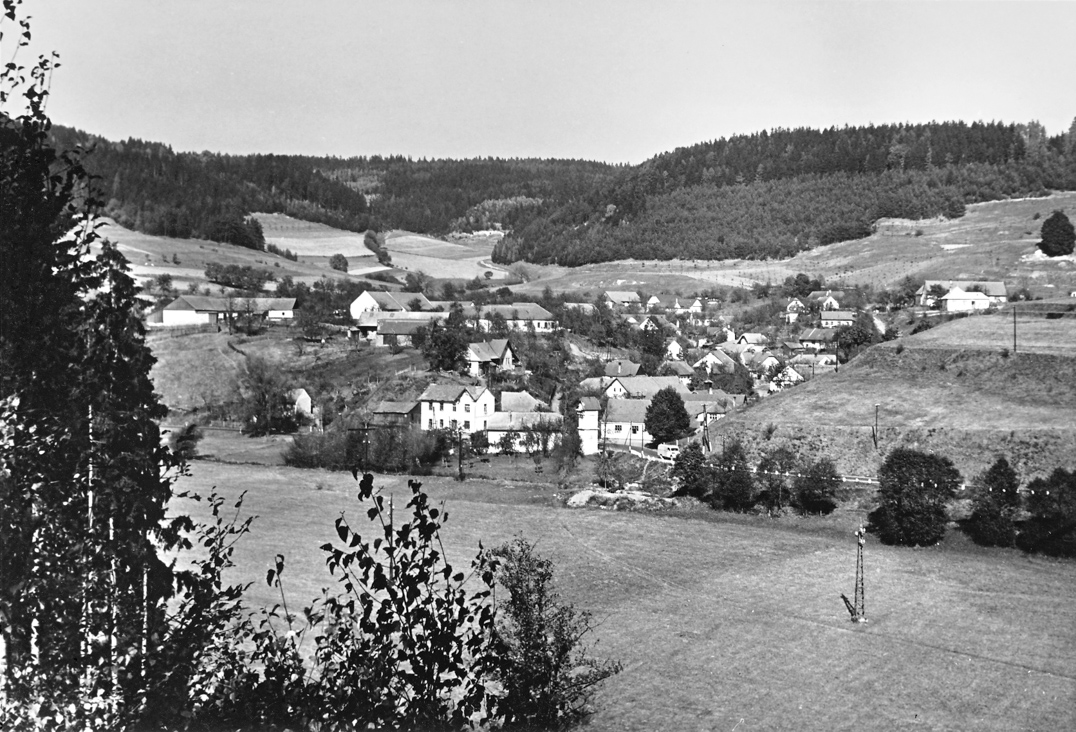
<point x="619" y="366"/>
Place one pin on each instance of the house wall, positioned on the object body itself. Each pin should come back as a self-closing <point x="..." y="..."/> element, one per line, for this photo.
<point x="633" y="434"/>
<point x="364" y="303"/>
<point x="964" y="306"/>
<point x="469" y="415"/>
<point x="187" y="317"/>
<point x="588" y="432"/>
<point x="281" y="315"/>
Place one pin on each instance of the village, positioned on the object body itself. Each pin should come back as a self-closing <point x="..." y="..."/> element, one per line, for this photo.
<point x="696" y="353"/>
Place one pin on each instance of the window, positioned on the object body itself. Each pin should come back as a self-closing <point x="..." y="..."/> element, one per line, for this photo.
<point x="430" y="426"/>
<point x="467" y="408"/>
<point x="635" y="429"/>
<point x="618" y="427"/>
<point x="467" y="425"/>
<point x="453" y="425"/>
<point x="485" y="409"/>
<point x="441" y="406"/>
<point x="440" y="423"/>
<point x="453" y="406"/>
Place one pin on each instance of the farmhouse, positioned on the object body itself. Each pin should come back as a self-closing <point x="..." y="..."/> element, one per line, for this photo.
<point x="398" y="332"/>
<point x="621" y="298"/>
<point x="379" y="302"/>
<point x="838" y="318"/>
<point x="994" y="290"/>
<point x="680" y="370"/>
<point x="200" y="310"/>
<point x="625" y="422"/>
<point x="752" y="339"/>
<point x="518" y="316"/>
<point x="521" y="401"/>
<point x="542" y="425"/>
<point x="452" y="406"/>
<point x="817" y="338"/>
<point x="621" y="367"/>
<point x="716" y="361"/>
<point x="673" y="350"/>
<point x="301" y="402"/>
<point x="396" y="414"/>
<point x="825" y="299"/>
<point x="485" y="356"/>
<point x="958" y="301"/>
<point x="793" y="310"/>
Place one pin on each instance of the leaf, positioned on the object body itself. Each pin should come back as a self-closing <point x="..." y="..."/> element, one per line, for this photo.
<point x="269" y="577"/>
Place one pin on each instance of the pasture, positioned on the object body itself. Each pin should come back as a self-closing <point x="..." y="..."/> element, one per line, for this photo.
<point x="310" y="239"/>
<point x="731" y="622"/>
<point x="442" y="259"/>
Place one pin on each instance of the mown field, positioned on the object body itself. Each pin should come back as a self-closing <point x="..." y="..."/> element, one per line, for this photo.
<point x="731" y="622"/>
<point x="442" y="259"/>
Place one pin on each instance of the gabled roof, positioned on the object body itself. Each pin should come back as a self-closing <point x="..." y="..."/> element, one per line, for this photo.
<point x="823" y="294"/>
<point x="397" y="300"/>
<point x="589" y="404"/>
<point x="514" y="311"/>
<point x="400" y="326"/>
<point x="992" y="288"/>
<point x="957" y="294"/>
<point x="504" y="421"/>
<point x="519" y="401"/>
<point x="795" y="304"/>
<point x="232" y="304"/>
<point x="679" y="368"/>
<point x="450" y="392"/>
<point x="395" y="407"/>
<point x="754" y="339"/>
<point x="648" y="386"/>
<point x="718" y="356"/>
<point x="818" y="335"/>
<point x="839" y="314"/>
<point x="626" y="410"/>
<point x="621" y="367"/>
<point x="622" y="296"/>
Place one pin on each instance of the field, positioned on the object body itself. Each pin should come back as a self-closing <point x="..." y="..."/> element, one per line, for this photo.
<point x="956" y="389"/>
<point x="992" y="241"/>
<point x="730" y="622"/>
<point x="309" y="239"/>
<point x="442" y="259"/>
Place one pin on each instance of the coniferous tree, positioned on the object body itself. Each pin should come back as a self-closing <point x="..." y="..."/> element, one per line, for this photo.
<point x="1058" y="235"/>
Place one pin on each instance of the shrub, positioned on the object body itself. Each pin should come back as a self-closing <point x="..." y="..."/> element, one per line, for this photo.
<point x="543" y="664"/>
<point x="184" y="441"/>
<point x="913" y="491"/>
<point x="734" y="486"/>
<point x="1052" y="526"/>
<point x="995" y="501"/>
<point x="816" y="490"/>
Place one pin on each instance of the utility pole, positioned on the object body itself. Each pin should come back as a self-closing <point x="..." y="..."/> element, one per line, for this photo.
<point x="459" y="454"/>
<point x="1014" y="329"/>
<point x="857" y="608"/>
<point x="876" y="426"/>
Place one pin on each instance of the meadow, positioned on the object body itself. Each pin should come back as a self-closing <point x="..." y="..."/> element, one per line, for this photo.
<point x="726" y="621"/>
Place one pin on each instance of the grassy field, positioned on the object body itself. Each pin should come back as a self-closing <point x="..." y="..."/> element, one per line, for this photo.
<point x="734" y="622"/>
<point x="442" y="259"/>
<point x="309" y="239"/>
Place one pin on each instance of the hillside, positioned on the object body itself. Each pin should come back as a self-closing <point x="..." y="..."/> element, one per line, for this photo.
<point x="956" y="389"/>
<point x="771" y="195"/>
<point x="995" y="240"/>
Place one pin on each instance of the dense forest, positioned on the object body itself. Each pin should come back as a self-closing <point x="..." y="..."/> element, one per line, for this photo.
<point x="770" y="194"/>
<point x="148" y="187"/>
<point x="773" y="194"/>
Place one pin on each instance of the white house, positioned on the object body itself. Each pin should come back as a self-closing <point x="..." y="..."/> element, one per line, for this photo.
<point x="500" y="423"/>
<point x="301" y="402"/>
<point x="518" y="316"/>
<point x="624" y="422"/>
<point x="793" y="310"/>
<point x="673" y="350"/>
<point x="201" y="310"/>
<point x="957" y="301"/>
<point x="379" y="302"/>
<point x="486" y="355"/>
<point x="752" y="339"/>
<point x="837" y="318"/>
<point x="716" y="361"/>
<point x="452" y="406"/>
<point x="621" y="298"/>
<point x="826" y="299"/>
<point x="993" y="289"/>
<point x="588" y="410"/>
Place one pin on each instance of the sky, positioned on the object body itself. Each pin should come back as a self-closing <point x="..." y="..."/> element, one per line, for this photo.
<point x="612" y="80"/>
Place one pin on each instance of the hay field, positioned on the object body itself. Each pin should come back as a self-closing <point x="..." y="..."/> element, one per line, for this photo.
<point x="441" y="259"/>
<point x="309" y="239"/>
<point x="732" y="623"/>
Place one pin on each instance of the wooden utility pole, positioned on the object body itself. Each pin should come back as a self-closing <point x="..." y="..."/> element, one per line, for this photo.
<point x="1014" y="329"/>
<point x="459" y="454"/>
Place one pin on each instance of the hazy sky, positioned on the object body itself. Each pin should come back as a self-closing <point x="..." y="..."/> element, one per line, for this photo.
<point x="613" y="80"/>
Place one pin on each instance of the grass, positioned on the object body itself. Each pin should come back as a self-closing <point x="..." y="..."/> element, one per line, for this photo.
<point x="735" y="623"/>
<point x="309" y="239"/>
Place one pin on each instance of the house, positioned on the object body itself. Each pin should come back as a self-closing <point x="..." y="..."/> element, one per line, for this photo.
<point x="794" y="309"/>
<point x="762" y="364"/>
<point x="658" y="323"/>
<point x="624" y="422"/>
<point x="378" y="302"/>
<point x="655" y="302"/>
<point x="455" y="407"/>
<point x="788" y="376"/>
<point x="810" y="365"/>
<point x="959" y="301"/>
<point x="520" y="423"/>
<point x="588" y="410"/>
<point x="706" y="408"/>
<point x="673" y="350"/>
<point x="301" y="402"/>
<point x="521" y="401"/>
<point x="791" y="348"/>
<point x="518" y="316"/>
<point x="398" y="332"/>
<point x="716" y="361"/>
<point x="367" y="324"/>
<point x="621" y="298"/>
<point x="695" y="306"/>
<point x="838" y="318"/>
<point x="818" y="338"/>
<point x="631" y="387"/>
<point x="994" y="290"/>
<point x="680" y="370"/>
<point x="484" y="356"/>
<point x="396" y="414"/>
<point x="752" y="339"/>
<point x="621" y="367"/>
<point x="201" y="310"/>
<point x="825" y="299"/>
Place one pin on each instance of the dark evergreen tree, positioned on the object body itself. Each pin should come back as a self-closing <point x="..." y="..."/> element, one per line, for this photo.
<point x="1058" y="235"/>
<point x="691" y="470"/>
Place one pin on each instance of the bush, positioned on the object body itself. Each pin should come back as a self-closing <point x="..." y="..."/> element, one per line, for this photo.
<point x="1052" y="526"/>
<point x="543" y="664"/>
<point x="734" y="486"/>
<point x="995" y="501"/>
<point x="913" y="491"/>
<point x="184" y="441"/>
<point x="816" y="490"/>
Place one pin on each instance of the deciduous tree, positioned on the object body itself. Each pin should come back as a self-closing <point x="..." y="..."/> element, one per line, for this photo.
<point x="666" y="417"/>
<point x="914" y="488"/>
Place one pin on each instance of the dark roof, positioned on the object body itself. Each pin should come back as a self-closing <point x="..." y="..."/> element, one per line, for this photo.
<point x="400" y="327"/>
<point x="626" y="410"/>
<point x="449" y="392"/>
<point x="395" y="407"/>
<point x="621" y="367"/>
<point x="519" y="420"/>
<point x="818" y="335"/>
<point x="679" y="368"/>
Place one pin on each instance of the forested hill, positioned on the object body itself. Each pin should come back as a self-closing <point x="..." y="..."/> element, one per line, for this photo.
<point x="773" y="194"/>
<point x="150" y="188"/>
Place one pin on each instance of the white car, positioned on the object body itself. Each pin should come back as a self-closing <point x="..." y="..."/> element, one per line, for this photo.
<point x="668" y="450"/>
